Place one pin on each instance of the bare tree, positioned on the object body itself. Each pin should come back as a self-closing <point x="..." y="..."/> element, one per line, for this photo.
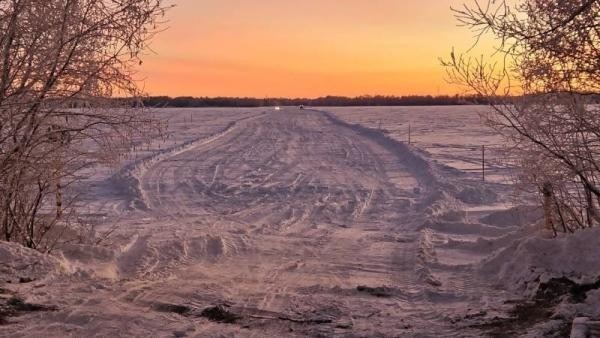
<point x="546" y="77"/>
<point x="61" y="64"/>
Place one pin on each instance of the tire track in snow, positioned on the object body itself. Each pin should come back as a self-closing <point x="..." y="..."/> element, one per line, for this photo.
<point x="305" y="184"/>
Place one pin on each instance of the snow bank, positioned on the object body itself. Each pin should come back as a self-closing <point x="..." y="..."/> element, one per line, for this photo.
<point x="20" y="263"/>
<point x="533" y="259"/>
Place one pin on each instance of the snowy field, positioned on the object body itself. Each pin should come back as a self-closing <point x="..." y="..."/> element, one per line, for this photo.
<point x="452" y="135"/>
<point x="316" y="222"/>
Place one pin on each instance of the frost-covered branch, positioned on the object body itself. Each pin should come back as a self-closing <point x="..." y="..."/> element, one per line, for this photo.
<point x="60" y="62"/>
<point x="551" y="74"/>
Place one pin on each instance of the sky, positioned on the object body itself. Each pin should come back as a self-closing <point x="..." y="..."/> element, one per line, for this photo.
<point x="308" y="48"/>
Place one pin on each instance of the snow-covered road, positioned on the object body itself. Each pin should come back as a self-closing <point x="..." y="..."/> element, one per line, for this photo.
<point x="294" y="222"/>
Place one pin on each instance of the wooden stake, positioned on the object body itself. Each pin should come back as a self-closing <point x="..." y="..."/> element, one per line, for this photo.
<point x="547" y="192"/>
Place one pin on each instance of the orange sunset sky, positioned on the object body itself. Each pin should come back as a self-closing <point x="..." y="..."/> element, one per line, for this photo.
<point x="305" y="48"/>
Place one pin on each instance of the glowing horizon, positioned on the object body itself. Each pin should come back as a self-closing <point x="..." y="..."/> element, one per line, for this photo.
<point x="309" y="49"/>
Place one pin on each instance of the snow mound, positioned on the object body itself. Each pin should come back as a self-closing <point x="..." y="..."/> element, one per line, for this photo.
<point x="533" y="259"/>
<point x="147" y="257"/>
<point x="87" y="260"/>
<point x="18" y="263"/>
<point x="441" y="207"/>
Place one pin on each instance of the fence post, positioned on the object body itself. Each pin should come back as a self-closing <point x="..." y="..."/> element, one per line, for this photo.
<point x="483" y="162"/>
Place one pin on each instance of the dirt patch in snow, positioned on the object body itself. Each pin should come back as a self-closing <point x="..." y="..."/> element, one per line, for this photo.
<point x="380" y="291"/>
<point x="542" y="309"/>
<point x="13" y="307"/>
<point x="555" y="278"/>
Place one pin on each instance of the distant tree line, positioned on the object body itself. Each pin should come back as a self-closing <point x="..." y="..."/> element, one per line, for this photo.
<point x="326" y="101"/>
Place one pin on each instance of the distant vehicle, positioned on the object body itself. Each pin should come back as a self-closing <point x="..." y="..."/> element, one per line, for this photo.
<point x="301" y="106"/>
<point x="277" y="108"/>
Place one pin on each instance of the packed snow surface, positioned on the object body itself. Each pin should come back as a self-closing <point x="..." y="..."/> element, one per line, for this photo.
<point x="257" y="222"/>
